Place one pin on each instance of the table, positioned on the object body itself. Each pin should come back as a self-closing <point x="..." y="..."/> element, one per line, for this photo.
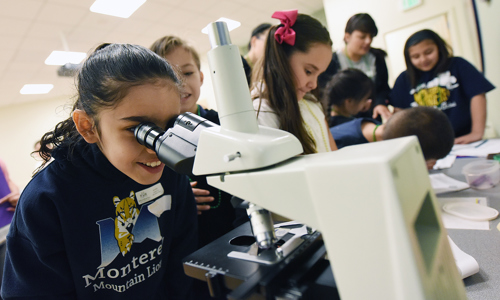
<point x="483" y="245"/>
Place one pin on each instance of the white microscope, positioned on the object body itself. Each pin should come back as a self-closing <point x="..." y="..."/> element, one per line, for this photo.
<point x="373" y="203"/>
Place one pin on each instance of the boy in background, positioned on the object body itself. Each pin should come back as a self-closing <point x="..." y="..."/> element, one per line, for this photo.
<point x="215" y="212"/>
<point x="430" y="125"/>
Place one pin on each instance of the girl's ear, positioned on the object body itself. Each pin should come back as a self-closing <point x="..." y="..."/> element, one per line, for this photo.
<point x="253" y="41"/>
<point x="85" y="126"/>
<point x="201" y="78"/>
<point x="347" y="37"/>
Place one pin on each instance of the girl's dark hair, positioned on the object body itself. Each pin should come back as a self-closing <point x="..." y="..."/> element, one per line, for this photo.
<point x="104" y="79"/>
<point x="445" y="53"/>
<point x="348" y="84"/>
<point x="260" y="29"/>
<point x="278" y="79"/>
<point x="362" y="22"/>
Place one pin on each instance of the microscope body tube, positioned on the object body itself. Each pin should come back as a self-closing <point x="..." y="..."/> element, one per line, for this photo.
<point x="236" y="112"/>
<point x="231" y="91"/>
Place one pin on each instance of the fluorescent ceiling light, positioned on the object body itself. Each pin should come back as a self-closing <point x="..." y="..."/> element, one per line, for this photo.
<point x="31" y="89"/>
<point x="116" y="8"/>
<point x="59" y="58"/>
<point x="231" y="24"/>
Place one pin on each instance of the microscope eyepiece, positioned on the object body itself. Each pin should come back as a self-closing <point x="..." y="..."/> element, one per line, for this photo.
<point x="176" y="145"/>
<point x="147" y="134"/>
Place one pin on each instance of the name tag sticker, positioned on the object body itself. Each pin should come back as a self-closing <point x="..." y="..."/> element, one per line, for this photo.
<point x="149" y="194"/>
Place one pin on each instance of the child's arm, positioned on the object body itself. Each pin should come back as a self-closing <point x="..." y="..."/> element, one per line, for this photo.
<point x="333" y="145"/>
<point x="13" y="196"/>
<point x="478" y="116"/>
<point x="370" y="129"/>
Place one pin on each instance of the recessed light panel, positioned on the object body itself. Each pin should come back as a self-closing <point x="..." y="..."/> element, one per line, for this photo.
<point x="32" y="89"/>
<point x="59" y="58"/>
<point x="116" y="8"/>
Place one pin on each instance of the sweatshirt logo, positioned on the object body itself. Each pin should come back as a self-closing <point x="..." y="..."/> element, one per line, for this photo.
<point x="126" y="216"/>
<point x="131" y="225"/>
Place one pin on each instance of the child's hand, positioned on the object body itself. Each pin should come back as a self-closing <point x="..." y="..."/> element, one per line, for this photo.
<point x="381" y="110"/>
<point x="12" y="198"/>
<point x="201" y="196"/>
<point x="469" y="138"/>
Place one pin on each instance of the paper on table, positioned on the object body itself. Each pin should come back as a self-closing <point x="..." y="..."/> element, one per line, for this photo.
<point x="442" y="183"/>
<point x="479" y="148"/>
<point x="454" y="222"/>
<point x="467" y="265"/>
<point x="445" y="162"/>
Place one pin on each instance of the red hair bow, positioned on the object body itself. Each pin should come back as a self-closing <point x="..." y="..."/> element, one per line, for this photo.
<point x="286" y="33"/>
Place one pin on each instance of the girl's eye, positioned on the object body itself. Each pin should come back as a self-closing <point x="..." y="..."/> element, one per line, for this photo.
<point x="308" y="72"/>
<point x="187" y="74"/>
<point x="131" y="129"/>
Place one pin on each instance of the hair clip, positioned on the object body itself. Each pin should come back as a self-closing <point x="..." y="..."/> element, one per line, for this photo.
<point x="285" y="33"/>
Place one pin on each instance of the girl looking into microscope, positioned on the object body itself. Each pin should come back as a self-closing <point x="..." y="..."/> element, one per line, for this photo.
<point x="106" y="219"/>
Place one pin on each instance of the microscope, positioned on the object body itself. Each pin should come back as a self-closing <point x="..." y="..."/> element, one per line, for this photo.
<point x="369" y="207"/>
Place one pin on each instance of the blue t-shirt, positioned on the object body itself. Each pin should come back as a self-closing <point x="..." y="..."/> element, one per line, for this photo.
<point x="349" y="133"/>
<point x="450" y="91"/>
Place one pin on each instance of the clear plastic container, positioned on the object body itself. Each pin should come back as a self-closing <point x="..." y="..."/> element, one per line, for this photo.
<point x="482" y="174"/>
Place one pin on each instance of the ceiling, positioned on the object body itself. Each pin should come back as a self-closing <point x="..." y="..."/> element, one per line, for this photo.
<point x="31" y="29"/>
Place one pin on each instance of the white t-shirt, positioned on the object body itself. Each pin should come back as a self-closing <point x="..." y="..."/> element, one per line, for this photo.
<point x="365" y="64"/>
<point x="312" y="114"/>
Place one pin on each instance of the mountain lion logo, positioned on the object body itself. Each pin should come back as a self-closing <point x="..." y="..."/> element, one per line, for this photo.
<point x="126" y="216"/>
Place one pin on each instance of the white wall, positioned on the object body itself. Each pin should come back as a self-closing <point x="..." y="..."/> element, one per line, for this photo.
<point x="21" y="126"/>
<point x="489" y="22"/>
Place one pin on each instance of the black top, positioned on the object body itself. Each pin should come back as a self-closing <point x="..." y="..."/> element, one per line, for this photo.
<point x="84" y="230"/>
<point x="248" y="70"/>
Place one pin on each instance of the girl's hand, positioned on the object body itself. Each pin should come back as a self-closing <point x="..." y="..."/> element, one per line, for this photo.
<point x="469" y="138"/>
<point x="381" y="110"/>
<point x="201" y="196"/>
<point x="12" y="198"/>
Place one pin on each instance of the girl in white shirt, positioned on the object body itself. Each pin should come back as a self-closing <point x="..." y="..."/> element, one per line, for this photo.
<point x="297" y="52"/>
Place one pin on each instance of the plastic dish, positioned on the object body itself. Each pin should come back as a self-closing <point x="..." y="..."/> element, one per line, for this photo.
<point x="482" y="174"/>
<point x="471" y="211"/>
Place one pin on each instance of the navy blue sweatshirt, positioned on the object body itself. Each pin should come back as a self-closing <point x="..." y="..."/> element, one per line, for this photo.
<point x="84" y="230"/>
